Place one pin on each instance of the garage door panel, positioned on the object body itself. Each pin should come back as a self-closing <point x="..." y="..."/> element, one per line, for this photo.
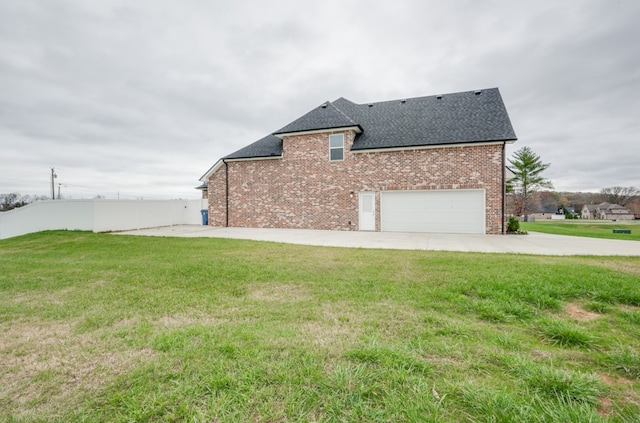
<point x="450" y="211"/>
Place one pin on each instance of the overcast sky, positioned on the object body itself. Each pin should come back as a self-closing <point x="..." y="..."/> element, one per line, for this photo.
<point x="139" y="98"/>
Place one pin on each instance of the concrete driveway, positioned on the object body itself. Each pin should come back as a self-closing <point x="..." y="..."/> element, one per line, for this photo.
<point x="534" y="243"/>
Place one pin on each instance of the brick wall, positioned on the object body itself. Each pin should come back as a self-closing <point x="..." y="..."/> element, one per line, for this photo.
<point x="216" y="190"/>
<point x="305" y="190"/>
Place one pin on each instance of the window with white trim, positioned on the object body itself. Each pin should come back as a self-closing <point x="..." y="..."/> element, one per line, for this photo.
<point x="336" y="147"/>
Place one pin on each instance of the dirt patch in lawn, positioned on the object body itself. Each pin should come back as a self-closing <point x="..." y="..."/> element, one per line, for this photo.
<point x="607" y="406"/>
<point x="609" y="380"/>
<point x="337" y="328"/>
<point x="576" y="312"/>
<point x="631" y="267"/>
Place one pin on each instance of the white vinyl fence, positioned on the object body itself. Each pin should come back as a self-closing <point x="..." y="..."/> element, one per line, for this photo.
<point x="100" y="215"/>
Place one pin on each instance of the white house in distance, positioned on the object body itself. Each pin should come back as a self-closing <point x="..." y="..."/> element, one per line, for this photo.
<point x="606" y="211"/>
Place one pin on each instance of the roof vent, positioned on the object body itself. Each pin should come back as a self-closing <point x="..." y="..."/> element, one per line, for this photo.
<point x="324" y="106"/>
<point x="403" y="101"/>
<point x="477" y="92"/>
<point x="439" y="97"/>
<point x="370" y="104"/>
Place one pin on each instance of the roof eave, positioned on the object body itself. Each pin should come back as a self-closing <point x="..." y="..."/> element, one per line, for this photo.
<point x="211" y="171"/>
<point x="244" y="159"/>
<point x="436" y="145"/>
<point x="356" y="128"/>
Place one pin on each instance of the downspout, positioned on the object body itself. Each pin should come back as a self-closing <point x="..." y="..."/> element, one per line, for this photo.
<point x="504" y="186"/>
<point x="226" y="195"/>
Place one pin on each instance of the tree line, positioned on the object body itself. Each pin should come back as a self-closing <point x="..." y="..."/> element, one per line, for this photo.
<point x="14" y="200"/>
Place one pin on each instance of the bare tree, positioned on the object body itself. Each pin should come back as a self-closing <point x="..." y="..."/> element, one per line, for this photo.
<point x="11" y="201"/>
<point x="546" y="200"/>
<point x="619" y="195"/>
<point x="14" y="200"/>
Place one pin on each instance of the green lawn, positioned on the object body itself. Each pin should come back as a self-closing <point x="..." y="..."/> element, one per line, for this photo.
<point x="97" y="327"/>
<point x="586" y="228"/>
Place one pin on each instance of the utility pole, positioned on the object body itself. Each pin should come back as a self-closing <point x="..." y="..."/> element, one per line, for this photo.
<point x="53" y="189"/>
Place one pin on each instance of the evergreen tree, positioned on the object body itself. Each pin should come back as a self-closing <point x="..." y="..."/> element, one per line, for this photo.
<point x="527" y="168"/>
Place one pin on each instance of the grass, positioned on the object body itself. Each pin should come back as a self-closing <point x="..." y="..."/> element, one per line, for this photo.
<point x="585" y="228"/>
<point x="97" y="327"/>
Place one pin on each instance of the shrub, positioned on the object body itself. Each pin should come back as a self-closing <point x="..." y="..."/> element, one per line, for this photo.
<point x="513" y="224"/>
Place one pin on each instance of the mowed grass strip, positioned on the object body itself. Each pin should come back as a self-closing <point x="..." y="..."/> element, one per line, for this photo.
<point x="586" y="228"/>
<point x="95" y="327"/>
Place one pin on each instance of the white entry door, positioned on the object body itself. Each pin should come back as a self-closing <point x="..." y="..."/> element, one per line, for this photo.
<point x="367" y="211"/>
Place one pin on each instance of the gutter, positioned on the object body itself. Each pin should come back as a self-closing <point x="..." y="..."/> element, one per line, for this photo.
<point x="504" y="187"/>
<point x="226" y="195"/>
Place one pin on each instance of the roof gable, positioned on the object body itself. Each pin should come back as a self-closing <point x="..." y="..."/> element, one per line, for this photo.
<point x="325" y="116"/>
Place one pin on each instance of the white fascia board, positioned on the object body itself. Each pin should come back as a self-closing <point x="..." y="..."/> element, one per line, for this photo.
<point x="430" y="147"/>
<point x="356" y="129"/>
<point x="211" y="171"/>
<point x="251" y="159"/>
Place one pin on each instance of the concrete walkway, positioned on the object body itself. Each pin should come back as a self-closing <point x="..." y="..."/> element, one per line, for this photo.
<point x="534" y="243"/>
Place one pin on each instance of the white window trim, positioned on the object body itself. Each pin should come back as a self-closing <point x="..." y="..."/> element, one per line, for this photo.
<point x="335" y="148"/>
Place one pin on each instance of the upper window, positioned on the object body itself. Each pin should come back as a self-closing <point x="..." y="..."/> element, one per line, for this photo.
<point x="336" y="147"/>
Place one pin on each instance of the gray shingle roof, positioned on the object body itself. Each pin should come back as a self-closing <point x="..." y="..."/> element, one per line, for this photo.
<point x="465" y="117"/>
<point x="326" y="116"/>
<point x="265" y="147"/>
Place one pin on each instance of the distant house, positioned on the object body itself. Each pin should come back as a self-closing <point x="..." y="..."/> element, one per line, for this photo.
<point x="548" y="213"/>
<point x="606" y="211"/>
<point x="572" y="212"/>
<point x="589" y="211"/>
<point x="204" y="188"/>
<point x="424" y="164"/>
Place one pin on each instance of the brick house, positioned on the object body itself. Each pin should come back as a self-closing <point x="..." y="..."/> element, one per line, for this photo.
<point x="425" y="164"/>
<point x="606" y="211"/>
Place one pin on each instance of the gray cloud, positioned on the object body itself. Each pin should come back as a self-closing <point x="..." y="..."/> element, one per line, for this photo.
<point x="144" y="97"/>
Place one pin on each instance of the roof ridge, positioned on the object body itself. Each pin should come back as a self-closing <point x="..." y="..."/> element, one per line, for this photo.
<point x="342" y="113"/>
<point x="345" y="99"/>
<point x="393" y="100"/>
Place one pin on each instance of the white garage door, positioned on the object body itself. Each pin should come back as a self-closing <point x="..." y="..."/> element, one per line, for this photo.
<point x="454" y="211"/>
